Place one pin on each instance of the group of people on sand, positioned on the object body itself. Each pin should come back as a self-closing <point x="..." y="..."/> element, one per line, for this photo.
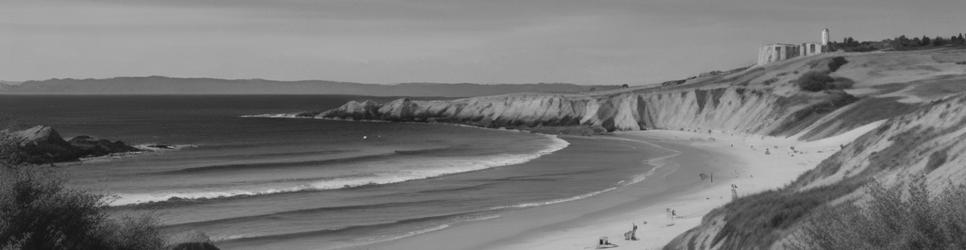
<point x="704" y="176"/>
<point x="604" y="242"/>
<point x="631" y="235"/>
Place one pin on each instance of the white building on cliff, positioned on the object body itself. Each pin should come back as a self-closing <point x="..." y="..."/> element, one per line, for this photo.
<point x="783" y="51"/>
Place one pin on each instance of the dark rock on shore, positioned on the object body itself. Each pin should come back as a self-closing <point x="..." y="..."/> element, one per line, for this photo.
<point x="90" y="146"/>
<point x="195" y="246"/>
<point x="192" y="240"/>
<point x="42" y="144"/>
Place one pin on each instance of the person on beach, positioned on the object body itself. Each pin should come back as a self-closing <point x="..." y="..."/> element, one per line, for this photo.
<point x="631" y="235"/>
<point x="734" y="191"/>
<point x="634" y="232"/>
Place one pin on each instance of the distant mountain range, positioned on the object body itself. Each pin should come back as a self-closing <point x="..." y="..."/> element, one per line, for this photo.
<point x="160" y="85"/>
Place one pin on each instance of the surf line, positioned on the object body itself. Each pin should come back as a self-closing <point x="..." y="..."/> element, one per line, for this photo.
<point x="657" y="163"/>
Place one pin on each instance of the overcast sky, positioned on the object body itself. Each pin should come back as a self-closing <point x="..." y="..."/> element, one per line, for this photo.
<point x="389" y="41"/>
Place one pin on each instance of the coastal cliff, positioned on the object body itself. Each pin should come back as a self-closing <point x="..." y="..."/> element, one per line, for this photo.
<point x="735" y="109"/>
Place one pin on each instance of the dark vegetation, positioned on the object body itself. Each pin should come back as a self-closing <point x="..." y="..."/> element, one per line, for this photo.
<point x="758" y="220"/>
<point x="836" y="63"/>
<point x="815" y="81"/>
<point x="820" y="80"/>
<point x="902" y="42"/>
<point x="43" y="145"/>
<point x="37" y="211"/>
<point x="893" y="219"/>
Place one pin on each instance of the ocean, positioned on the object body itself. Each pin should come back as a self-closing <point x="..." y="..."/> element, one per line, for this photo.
<point x="273" y="183"/>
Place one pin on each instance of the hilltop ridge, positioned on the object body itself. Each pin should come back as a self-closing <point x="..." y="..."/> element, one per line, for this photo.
<point x="161" y="85"/>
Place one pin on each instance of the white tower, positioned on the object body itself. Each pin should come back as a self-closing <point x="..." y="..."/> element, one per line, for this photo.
<point x="825" y="37"/>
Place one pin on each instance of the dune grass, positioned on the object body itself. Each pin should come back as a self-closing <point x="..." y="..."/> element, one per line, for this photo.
<point x="760" y="219"/>
<point x="901" y="217"/>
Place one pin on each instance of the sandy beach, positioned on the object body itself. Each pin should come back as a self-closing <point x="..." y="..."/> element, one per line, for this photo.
<point x="752" y="163"/>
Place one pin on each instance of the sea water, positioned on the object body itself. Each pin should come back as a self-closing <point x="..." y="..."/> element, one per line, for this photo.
<point x="270" y="183"/>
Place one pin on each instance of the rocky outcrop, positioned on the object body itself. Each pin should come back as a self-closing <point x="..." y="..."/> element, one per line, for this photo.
<point x="725" y="108"/>
<point x="42" y="144"/>
<point x="89" y="146"/>
<point x="192" y="240"/>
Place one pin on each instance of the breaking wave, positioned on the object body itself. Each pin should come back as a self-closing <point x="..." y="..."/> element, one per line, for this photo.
<point x="430" y="169"/>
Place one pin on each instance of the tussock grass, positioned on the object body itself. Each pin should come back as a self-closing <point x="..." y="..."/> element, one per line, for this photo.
<point x="901" y="217"/>
<point x="760" y="219"/>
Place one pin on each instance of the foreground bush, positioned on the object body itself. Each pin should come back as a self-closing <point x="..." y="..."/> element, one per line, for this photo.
<point x="38" y="212"/>
<point x="892" y="219"/>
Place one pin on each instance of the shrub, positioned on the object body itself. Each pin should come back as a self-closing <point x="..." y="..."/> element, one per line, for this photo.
<point x="38" y="212"/>
<point x="769" y="81"/>
<point x="815" y="81"/>
<point x="891" y="222"/>
<point x="836" y="63"/>
<point x="842" y="83"/>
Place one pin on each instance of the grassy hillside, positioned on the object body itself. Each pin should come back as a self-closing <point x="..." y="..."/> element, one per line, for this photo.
<point x="921" y="94"/>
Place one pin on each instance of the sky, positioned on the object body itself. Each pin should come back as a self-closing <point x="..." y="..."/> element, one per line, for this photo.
<point x="392" y="41"/>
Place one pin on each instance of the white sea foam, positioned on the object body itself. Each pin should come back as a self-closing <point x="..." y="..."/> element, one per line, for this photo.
<point x="428" y="169"/>
<point x="412" y="233"/>
<point x="374" y="240"/>
<point x="657" y="163"/>
<point x="551" y="202"/>
<point x="163" y="147"/>
<point x="283" y="115"/>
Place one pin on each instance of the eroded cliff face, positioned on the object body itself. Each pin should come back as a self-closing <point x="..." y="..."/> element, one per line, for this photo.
<point x="726" y="108"/>
<point x="929" y="142"/>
